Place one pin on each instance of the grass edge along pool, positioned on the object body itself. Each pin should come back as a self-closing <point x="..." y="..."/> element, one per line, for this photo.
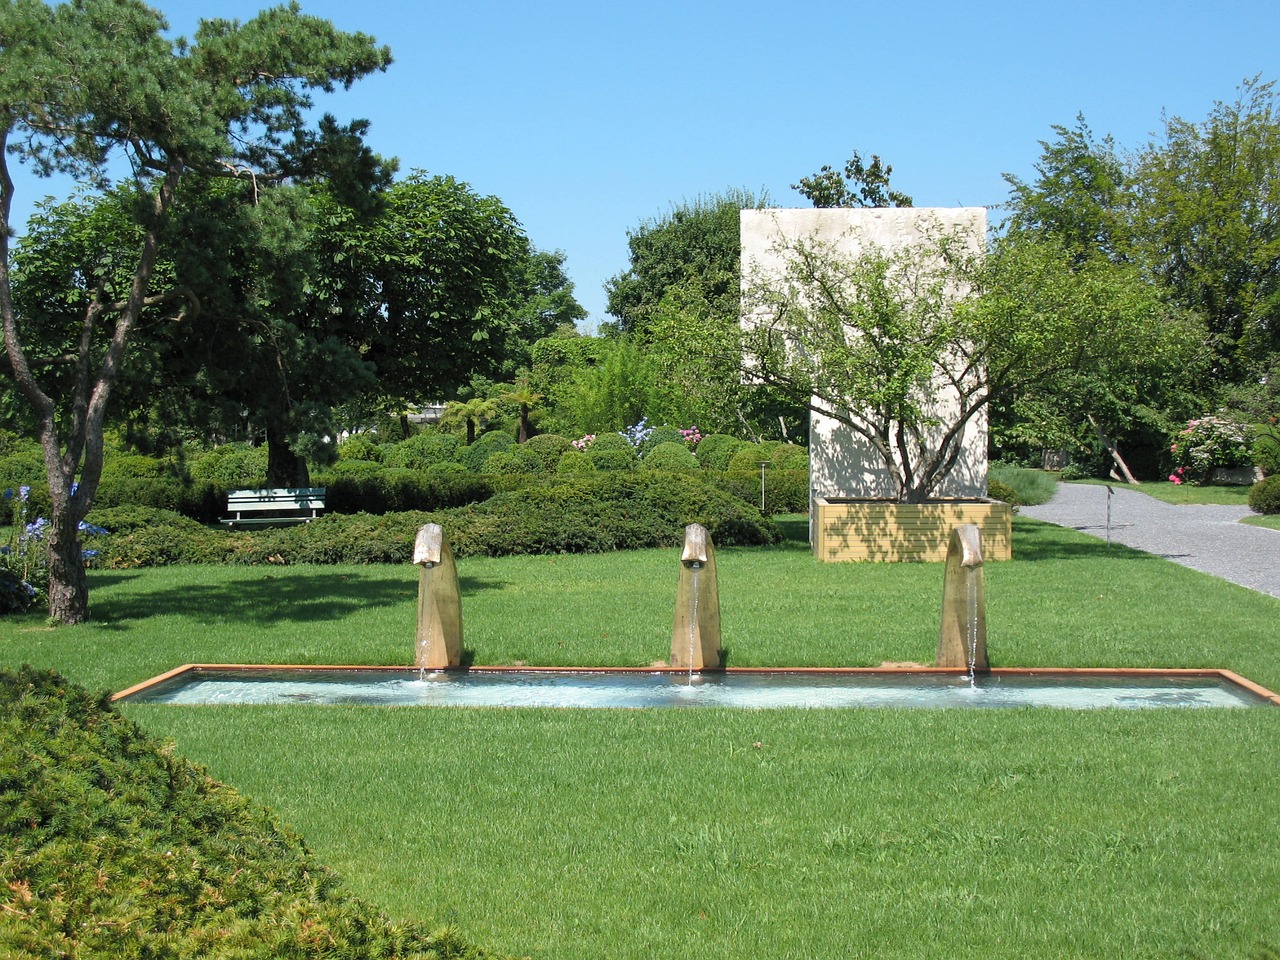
<point x="748" y="688"/>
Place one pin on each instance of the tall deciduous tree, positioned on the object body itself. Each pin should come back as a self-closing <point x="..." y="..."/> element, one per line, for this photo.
<point x="1208" y="197"/>
<point x="696" y="241"/>
<point x="1081" y="196"/>
<point x="85" y="81"/>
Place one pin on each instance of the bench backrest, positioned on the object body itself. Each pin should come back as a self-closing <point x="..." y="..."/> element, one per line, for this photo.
<point x="305" y="498"/>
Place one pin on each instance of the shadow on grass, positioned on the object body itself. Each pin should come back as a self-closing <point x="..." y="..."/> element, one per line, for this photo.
<point x="1035" y="540"/>
<point x="266" y="598"/>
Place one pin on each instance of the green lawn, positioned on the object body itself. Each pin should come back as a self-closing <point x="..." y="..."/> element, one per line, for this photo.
<point x="823" y="834"/>
<point x="1180" y="493"/>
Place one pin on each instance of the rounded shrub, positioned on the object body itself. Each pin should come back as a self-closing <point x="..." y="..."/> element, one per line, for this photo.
<point x="545" y="450"/>
<point x="1266" y="450"/>
<point x="446" y="468"/>
<point x="997" y="490"/>
<point x="657" y="436"/>
<point x="749" y="457"/>
<point x="672" y="456"/>
<point x="359" y="447"/>
<point x="611" y="441"/>
<point x="424" y="450"/>
<point x="789" y="456"/>
<point x="612" y="459"/>
<point x="232" y="466"/>
<point x="716" y="449"/>
<point x="1264" y="496"/>
<point x="138" y="466"/>
<point x="473" y="457"/>
<point x="575" y="461"/>
<point x="504" y="462"/>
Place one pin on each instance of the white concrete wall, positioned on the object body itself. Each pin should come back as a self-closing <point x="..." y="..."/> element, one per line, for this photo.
<point x="843" y="465"/>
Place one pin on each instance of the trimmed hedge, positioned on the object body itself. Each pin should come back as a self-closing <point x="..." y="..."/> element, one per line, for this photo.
<point x="391" y="490"/>
<point x="576" y="514"/>
<point x="785" y="491"/>
<point x="114" y="847"/>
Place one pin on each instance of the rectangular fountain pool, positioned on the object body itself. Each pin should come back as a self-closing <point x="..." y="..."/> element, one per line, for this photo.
<point x="749" y="689"/>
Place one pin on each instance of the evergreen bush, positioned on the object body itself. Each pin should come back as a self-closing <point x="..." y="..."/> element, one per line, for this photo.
<point x="114" y="846"/>
<point x="232" y="466"/>
<point x="749" y="457"/>
<point x="424" y="451"/>
<point x="1264" y="496"/>
<point x="575" y="461"/>
<point x="544" y="451"/>
<point x="473" y="457"/>
<point x="611" y="457"/>
<point x="359" y="447"/>
<point x="672" y="456"/>
<point x="716" y="449"/>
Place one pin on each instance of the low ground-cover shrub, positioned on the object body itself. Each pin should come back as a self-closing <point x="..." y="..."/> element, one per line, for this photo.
<point x="113" y="846"/>
<point x="1264" y="496"/>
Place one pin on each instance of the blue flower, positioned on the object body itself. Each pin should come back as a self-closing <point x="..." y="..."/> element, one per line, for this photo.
<point x="24" y="491"/>
<point x="8" y="494"/>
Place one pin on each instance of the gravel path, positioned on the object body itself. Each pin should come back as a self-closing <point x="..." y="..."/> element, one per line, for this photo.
<point x="1205" y="538"/>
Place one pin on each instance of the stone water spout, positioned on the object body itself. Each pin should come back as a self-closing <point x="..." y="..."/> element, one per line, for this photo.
<point x="962" y="637"/>
<point x="695" y="638"/>
<point x="439" y="643"/>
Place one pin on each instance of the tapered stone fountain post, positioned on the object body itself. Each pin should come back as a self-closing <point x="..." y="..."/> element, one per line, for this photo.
<point x="962" y="637"/>
<point x="695" y="638"/>
<point x="439" y="644"/>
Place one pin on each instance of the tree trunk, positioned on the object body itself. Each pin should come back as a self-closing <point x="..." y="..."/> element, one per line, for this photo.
<point x="68" y="581"/>
<point x="524" y="423"/>
<point x="1114" y="451"/>
<point x="284" y="467"/>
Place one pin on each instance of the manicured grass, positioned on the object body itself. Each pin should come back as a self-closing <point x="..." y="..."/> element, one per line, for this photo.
<point x="1271" y="522"/>
<point x="630" y="834"/>
<point x="1180" y="493"/>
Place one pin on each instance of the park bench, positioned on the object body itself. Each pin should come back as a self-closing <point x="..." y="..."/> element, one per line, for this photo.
<point x="273" y="507"/>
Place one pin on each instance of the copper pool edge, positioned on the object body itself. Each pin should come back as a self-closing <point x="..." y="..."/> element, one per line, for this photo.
<point x="1189" y="672"/>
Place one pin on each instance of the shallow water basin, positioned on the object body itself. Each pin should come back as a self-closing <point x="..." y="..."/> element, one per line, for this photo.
<point x="203" y="684"/>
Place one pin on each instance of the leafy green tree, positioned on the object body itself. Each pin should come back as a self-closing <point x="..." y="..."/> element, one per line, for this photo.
<point x="426" y="287"/>
<point x="696" y="241"/>
<point x="543" y="301"/>
<point x="871" y="339"/>
<point x="1208" y="197"/>
<point x="82" y="82"/>
<point x="861" y="184"/>
<point x="1081" y="196"/>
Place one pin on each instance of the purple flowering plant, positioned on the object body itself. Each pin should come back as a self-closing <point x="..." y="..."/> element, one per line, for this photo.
<point x="24" y="565"/>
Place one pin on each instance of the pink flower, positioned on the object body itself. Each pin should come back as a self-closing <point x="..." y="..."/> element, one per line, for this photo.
<point x="1174" y="478"/>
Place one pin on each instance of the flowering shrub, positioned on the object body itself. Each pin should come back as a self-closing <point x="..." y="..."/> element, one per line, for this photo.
<point x="1205" y="444"/>
<point x="24" y="564"/>
<point x="692" y="437"/>
<point x="638" y="434"/>
<point x="584" y="444"/>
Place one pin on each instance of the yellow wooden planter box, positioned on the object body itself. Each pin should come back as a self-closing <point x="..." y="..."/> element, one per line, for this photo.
<point x="895" y="532"/>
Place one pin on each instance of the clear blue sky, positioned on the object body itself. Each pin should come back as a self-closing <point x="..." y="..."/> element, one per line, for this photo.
<point x="587" y="117"/>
